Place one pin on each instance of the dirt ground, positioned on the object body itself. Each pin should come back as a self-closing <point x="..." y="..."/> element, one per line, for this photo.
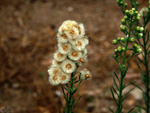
<point x="28" y="31"/>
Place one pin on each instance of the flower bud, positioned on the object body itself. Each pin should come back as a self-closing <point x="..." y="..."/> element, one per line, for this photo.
<point x="137" y="3"/>
<point x="138" y="17"/>
<point x="119" y="49"/>
<point x="122" y="39"/>
<point x="127" y="12"/>
<point x="126" y="5"/>
<point x="123" y="49"/>
<point x="133" y="9"/>
<point x="136" y="12"/>
<point x="131" y="13"/>
<point x="115" y="42"/>
<point x="138" y="50"/>
<point x="131" y="39"/>
<point x="123" y="21"/>
<point x="118" y="38"/>
<point x="135" y="46"/>
<point x="139" y="35"/>
<point x="123" y="28"/>
<point x="121" y="3"/>
<point x="125" y="17"/>
<point x="137" y="28"/>
<point x="116" y="51"/>
<point x="123" y="67"/>
<point x="141" y="29"/>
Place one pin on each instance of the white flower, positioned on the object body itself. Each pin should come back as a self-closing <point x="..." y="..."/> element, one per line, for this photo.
<point x="64" y="48"/>
<point x="72" y="29"/>
<point x="54" y="79"/>
<point x="67" y="26"/>
<point x="143" y="11"/>
<point x="59" y="57"/>
<point x="62" y="38"/>
<point x="72" y="41"/>
<point x="82" y="60"/>
<point x="68" y="66"/>
<point x="81" y="30"/>
<point x="74" y="55"/>
<point x="86" y="40"/>
<point x="56" y="63"/>
<point x="64" y="78"/>
<point x="54" y="75"/>
<point x="54" y="71"/>
<point x="84" y="52"/>
<point x="72" y="33"/>
<point x="85" y="74"/>
<point x="79" y="44"/>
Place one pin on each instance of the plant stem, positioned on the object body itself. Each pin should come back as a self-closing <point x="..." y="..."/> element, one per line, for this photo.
<point x="122" y="70"/>
<point x="119" y="109"/>
<point x="146" y="75"/>
<point x="71" y="92"/>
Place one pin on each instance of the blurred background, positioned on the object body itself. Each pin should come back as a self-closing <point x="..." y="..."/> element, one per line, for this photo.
<point x="28" y="31"/>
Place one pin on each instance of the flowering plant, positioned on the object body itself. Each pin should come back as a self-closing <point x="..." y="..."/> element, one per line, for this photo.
<point x="134" y="32"/>
<point x="127" y="43"/>
<point x="70" y="55"/>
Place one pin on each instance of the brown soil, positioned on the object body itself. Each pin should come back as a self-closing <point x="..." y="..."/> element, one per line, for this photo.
<point x="28" y="31"/>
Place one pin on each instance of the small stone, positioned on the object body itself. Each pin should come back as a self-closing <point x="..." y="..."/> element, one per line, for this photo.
<point x="70" y="9"/>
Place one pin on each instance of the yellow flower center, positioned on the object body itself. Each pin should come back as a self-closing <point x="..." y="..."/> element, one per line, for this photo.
<point x="55" y="78"/>
<point x="75" y="54"/>
<point x="65" y="47"/>
<point x="59" y="55"/>
<point x="63" y="77"/>
<point x="68" y="66"/>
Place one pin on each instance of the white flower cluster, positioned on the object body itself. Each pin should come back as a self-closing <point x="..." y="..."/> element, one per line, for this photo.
<point x="71" y="51"/>
<point x="144" y="11"/>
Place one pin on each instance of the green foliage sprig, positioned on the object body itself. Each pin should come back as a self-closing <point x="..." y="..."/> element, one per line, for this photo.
<point x="132" y="33"/>
<point x="70" y="91"/>
<point x="145" y="44"/>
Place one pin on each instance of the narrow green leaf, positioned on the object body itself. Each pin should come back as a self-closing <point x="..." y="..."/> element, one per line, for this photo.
<point x="113" y="95"/>
<point x="139" y="67"/>
<point x="115" y="83"/>
<point x="78" y="99"/>
<point x="64" y="93"/>
<point x="141" y="61"/>
<point x="116" y="75"/>
<point x="127" y="94"/>
<point x="59" y="109"/>
<point x="126" y="69"/>
<point x="111" y="110"/>
<point x="115" y="90"/>
<point x="133" y="83"/>
<point x="130" y="110"/>
<point x="144" y="96"/>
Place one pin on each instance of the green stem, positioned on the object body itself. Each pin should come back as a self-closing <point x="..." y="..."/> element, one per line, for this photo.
<point x="69" y="102"/>
<point x="122" y="69"/>
<point x="146" y="76"/>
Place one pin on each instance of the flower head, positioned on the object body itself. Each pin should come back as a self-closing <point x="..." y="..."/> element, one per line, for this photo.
<point x="79" y="45"/>
<point x="72" y="29"/>
<point x="64" y="48"/>
<point x="64" y="78"/>
<point x="71" y="52"/>
<point x="85" y="74"/>
<point x="74" y="55"/>
<point x="68" y="66"/>
<point x="54" y="71"/>
<point x="62" y="38"/>
<point x="59" y="56"/>
<point x="143" y="11"/>
<point x="56" y="63"/>
<point x="54" y="79"/>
